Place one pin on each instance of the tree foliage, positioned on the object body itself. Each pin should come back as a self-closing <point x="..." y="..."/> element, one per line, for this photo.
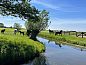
<point x="17" y="26"/>
<point x="19" y="8"/>
<point x="1" y="25"/>
<point x="39" y="25"/>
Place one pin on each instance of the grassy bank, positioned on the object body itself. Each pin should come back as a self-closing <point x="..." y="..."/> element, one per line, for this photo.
<point x="16" y="49"/>
<point x="64" y="39"/>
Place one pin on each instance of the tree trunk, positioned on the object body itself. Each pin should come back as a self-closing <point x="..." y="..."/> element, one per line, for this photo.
<point x="33" y="34"/>
<point x="28" y="32"/>
<point x="82" y="33"/>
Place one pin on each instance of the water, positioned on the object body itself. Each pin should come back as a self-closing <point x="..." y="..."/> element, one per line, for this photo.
<point x="58" y="54"/>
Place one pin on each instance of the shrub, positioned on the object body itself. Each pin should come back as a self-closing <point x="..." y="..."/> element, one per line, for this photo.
<point x="18" y="49"/>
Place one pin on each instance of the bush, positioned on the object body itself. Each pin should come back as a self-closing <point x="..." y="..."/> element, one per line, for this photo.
<point x="18" y="49"/>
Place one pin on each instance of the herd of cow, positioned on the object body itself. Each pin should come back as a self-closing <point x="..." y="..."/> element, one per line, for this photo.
<point x="50" y="31"/>
<point x="56" y="32"/>
<point x="82" y="34"/>
<point x="15" y="31"/>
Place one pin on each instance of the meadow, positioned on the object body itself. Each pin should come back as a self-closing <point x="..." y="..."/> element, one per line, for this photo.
<point x="17" y="49"/>
<point x="69" y="39"/>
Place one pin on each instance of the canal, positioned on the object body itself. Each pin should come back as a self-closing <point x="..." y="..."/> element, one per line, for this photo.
<point x="58" y="54"/>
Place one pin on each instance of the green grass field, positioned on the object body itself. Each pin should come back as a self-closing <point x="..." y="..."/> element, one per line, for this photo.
<point x="17" y="48"/>
<point x="64" y="39"/>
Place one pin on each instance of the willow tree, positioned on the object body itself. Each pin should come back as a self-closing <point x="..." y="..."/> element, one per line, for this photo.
<point x="37" y="26"/>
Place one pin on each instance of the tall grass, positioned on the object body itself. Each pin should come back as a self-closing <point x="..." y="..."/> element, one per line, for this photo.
<point x="16" y="49"/>
<point x="64" y="39"/>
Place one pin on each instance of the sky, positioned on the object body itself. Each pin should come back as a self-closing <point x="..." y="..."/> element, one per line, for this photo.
<point x="64" y="14"/>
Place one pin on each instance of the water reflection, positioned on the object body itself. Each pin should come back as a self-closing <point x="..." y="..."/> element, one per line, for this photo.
<point x="60" y="45"/>
<point x="49" y="41"/>
<point x="81" y="49"/>
<point x="41" y="60"/>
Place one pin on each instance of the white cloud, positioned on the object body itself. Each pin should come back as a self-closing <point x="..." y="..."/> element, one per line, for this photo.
<point x="46" y="5"/>
<point x="63" y="8"/>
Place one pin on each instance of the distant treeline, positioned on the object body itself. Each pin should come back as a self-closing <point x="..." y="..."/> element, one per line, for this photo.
<point x="7" y="27"/>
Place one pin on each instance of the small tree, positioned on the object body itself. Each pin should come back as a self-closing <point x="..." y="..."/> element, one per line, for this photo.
<point x="1" y="25"/>
<point x="35" y="27"/>
<point x="17" y="26"/>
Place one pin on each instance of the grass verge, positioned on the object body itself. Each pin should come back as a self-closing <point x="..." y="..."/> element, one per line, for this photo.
<point x="64" y="39"/>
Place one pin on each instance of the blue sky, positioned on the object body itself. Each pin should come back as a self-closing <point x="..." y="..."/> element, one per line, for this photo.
<point x="10" y="20"/>
<point x="64" y="14"/>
